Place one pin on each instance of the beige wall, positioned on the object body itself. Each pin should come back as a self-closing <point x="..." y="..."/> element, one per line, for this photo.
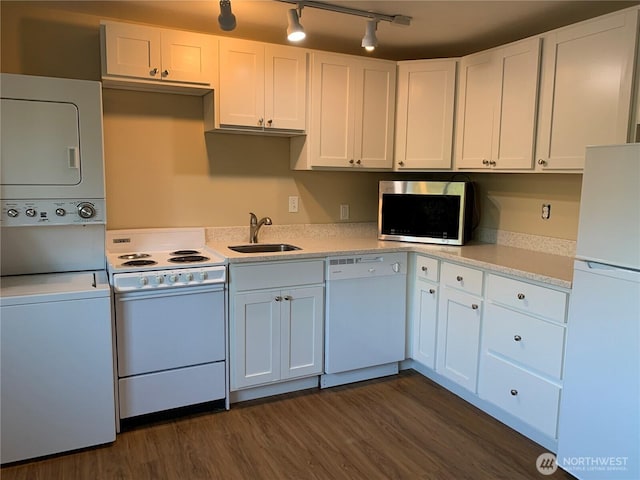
<point x="163" y="171"/>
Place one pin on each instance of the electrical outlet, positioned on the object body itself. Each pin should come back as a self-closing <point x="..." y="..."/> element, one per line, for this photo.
<point x="344" y="211"/>
<point x="546" y="211"/>
<point x="293" y="203"/>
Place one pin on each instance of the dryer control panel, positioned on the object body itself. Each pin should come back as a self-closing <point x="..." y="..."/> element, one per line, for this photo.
<point x="22" y="213"/>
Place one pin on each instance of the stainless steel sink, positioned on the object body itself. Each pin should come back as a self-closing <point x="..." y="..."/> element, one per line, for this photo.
<point x="263" y="247"/>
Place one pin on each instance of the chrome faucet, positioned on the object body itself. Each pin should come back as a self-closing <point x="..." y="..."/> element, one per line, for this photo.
<point x="254" y="226"/>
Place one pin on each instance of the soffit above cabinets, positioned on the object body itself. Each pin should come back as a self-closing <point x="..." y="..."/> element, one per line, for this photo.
<point x="438" y="28"/>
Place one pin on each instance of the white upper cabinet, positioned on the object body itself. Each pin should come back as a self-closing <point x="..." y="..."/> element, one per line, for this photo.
<point x="155" y="58"/>
<point x="497" y="101"/>
<point x="586" y="91"/>
<point x="352" y="112"/>
<point x="424" y="114"/>
<point x="262" y="86"/>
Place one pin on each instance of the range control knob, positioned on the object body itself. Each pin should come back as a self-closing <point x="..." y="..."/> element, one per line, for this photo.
<point x="61" y="212"/>
<point x="144" y="281"/>
<point x="203" y="276"/>
<point x="173" y="278"/>
<point x="13" y="213"/>
<point x="30" y="212"/>
<point x="188" y="276"/>
<point x="86" y="210"/>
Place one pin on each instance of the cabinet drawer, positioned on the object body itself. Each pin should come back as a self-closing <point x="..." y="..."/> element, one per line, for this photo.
<point x="462" y="278"/>
<point x="527" y="297"/>
<point x="524" y="395"/>
<point x="276" y="275"/>
<point x="532" y="342"/>
<point x="427" y="268"/>
<point x="160" y="391"/>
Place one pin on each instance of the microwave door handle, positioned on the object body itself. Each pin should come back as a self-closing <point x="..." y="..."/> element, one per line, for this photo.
<point x="74" y="158"/>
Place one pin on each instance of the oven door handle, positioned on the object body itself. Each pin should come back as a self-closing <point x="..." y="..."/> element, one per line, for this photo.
<point x="168" y="292"/>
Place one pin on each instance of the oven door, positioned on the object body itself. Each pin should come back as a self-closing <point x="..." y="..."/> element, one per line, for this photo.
<point x="173" y="328"/>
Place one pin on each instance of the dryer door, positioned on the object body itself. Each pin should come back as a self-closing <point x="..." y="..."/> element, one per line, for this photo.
<point x="40" y="143"/>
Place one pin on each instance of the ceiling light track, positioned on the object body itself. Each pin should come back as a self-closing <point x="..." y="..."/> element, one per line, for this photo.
<point x="394" y="19"/>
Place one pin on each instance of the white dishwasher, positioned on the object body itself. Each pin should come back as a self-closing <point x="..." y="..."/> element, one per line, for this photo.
<point x="365" y="317"/>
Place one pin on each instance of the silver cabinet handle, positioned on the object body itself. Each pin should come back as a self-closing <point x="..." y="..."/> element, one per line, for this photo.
<point x="401" y="163"/>
<point x="288" y="298"/>
<point x="260" y="121"/>
<point x="517" y="338"/>
<point x="485" y="162"/>
<point x="153" y="71"/>
<point x="351" y="161"/>
<point x="542" y="162"/>
<point x="474" y="306"/>
<point x="492" y="163"/>
<point x="269" y="122"/>
<point x="165" y="73"/>
<point x="514" y="392"/>
<point x="424" y="269"/>
<point x="521" y="296"/>
<point x="278" y="298"/>
<point x="459" y="278"/>
<point x="358" y="162"/>
<point x="432" y="291"/>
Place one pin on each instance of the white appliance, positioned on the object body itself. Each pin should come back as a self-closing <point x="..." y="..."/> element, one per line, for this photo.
<point x="365" y="317"/>
<point x="599" y="425"/>
<point x="57" y="380"/>
<point x="170" y="315"/>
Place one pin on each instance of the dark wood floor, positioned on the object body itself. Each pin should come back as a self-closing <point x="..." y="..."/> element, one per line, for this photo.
<point x="400" y="427"/>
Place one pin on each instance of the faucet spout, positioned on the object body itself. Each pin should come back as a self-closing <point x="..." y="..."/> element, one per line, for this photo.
<point x="255" y="225"/>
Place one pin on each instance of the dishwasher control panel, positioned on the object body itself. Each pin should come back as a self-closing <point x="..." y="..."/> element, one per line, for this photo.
<point x="369" y="265"/>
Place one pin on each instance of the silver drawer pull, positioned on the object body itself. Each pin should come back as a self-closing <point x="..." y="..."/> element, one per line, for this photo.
<point x="521" y="296"/>
<point x="288" y="298"/>
<point x="459" y="278"/>
<point x="432" y="291"/>
<point x="424" y="269"/>
<point x="514" y="392"/>
<point x="278" y="298"/>
<point x="474" y="306"/>
<point x="165" y="73"/>
<point x="153" y="71"/>
<point x="517" y="338"/>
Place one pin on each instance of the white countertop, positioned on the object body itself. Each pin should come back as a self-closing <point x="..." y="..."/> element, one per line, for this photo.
<point x="554" y="270"/>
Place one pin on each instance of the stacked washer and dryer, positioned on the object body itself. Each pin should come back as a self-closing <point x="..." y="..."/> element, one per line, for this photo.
<point x="57" y="374"/>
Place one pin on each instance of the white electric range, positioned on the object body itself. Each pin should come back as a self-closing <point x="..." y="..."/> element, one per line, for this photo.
<point x="170" y="316"/>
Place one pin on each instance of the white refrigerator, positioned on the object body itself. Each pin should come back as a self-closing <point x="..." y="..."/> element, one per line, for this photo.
<point x="599" y="425"/>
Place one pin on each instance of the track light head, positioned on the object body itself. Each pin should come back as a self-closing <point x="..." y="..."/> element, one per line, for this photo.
<point x="295" y="31"/>
<point x="370" y="41"/>
<point x="226" y="19"/>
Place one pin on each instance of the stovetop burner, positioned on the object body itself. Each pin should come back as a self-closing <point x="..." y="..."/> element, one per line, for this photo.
<point x="139" y="263"/>
<point x="133" y="256"/>
<point x="185" y="252"/>
<point x="188" y="259"/>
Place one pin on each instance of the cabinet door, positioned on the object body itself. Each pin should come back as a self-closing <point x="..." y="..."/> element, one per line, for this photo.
<point x="255" y="342"/>
<point x="425" y="310"/>
<point x="187" y="57"/>
<point x="459" y="316"/>
<point x="332" y="111"/>
<point x="515" y="121"/>
<point x="476" y="109"/>
<point x="285" y="88"/>
<point x="302" y="332"/>
<point x="374" y="114"/>
<point x="133" y="51"/>
<point x="586" y="89"/>
<point x="241" y="83"/>
<point x="424" y="117"/>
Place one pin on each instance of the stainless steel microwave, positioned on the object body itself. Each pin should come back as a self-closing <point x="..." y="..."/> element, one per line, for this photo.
<point x="426" y="211"/>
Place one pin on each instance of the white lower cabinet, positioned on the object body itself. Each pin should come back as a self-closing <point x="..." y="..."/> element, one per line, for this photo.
<point x="424" y="311"/>
<point x="500" y="339"/>
<point x="276" y="334"/>
<point x="459" y="336"/>
<point x="522" y="351"/>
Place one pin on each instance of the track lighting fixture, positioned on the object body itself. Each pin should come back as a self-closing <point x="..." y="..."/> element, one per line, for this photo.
<point x="295" y="31"/>
<point x="226" y="19"/>
<point x="370" y="41"/>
